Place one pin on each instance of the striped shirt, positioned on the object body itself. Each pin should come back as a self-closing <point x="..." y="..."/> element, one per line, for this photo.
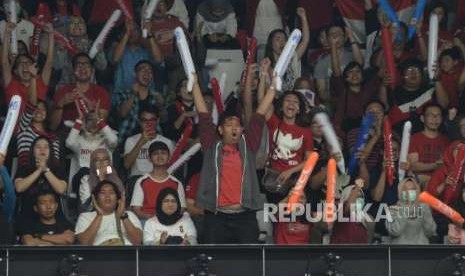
<point x="27" y="134"/>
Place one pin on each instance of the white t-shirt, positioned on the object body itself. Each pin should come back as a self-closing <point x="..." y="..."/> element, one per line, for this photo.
<point x="24" y="31"/>
<point x="108" y="228"/>
<point x="142" y="164"/>
<point x="267" y="19"/>
<point x="138" y="193"/>
<point x="184" y="228"/>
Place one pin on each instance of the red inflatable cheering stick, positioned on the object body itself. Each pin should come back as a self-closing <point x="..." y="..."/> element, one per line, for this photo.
<point x="217" y="95"/>
<point x="251" y="54"/>
<point x="389" y="56"/>
<point x="182" y="143"/>
<point x="388" y="152"/>
<point x="59" y="37"/>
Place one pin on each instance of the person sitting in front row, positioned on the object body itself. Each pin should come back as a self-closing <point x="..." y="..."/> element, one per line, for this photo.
<point x="110" y="223"/>
<point x="47" y="228"/>
<point x="171" y="225"/>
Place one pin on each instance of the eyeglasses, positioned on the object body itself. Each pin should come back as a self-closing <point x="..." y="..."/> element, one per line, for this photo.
<point x="169" y="201"/>
<point x="83" y="64"/>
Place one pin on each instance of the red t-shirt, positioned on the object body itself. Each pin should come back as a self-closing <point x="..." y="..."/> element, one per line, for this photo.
<point x="291" y="144"/>
<point x="164" y="33"/>
<point x="193" y="186"/>
<point x="429" y="149"/>
<point x="15" y="87"/>
<point x="348" y="233"/>
<point x="292" y="233"/>
<point x="450" y="84"/>
<point x="102" y="10"/>
<point x="231" y="177"/>
<point x="151" y="190"/>
<point x="94" y="94"/>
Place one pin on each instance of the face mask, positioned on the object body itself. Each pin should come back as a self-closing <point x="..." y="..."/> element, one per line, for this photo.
<point x="359" y="203"/>
<point x="409" y="196"/>
<point x="412" y="195"/>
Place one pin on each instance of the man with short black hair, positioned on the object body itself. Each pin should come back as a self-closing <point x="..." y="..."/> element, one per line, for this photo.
<point x="229" y="189"/>
<point x="147" y="187"/>
<point x="128" y="103"/>
<point x="136" y="148"/>
<point x="110" y="223"/>
<point x="47" y="229"/>
<point x="91" y="94"/>
<point x="427" y="146"/>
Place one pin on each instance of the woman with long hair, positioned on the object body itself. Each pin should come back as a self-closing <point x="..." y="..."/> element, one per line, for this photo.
<point x="275" y="45"/>
<point x="42" y="172"/>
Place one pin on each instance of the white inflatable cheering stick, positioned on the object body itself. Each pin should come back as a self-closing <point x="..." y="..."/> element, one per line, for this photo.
<point x="331" y="138"/>
<point x="186" y="57"/>
<point x="433" y="45"/>
<point x="286" y="56"/>
<point x="184" y="158"/>
<point x="100" y="41"/>
<point x="13" y="19"/>
<point x="148" y="15"/>
<point x="10" y="123"/>
<point x="404" y="147"/>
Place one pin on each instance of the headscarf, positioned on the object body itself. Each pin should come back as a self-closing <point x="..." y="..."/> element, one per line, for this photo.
<point x="206" y="7"/>
<point x="94" y="179"/>
<point x="401" y="186"/>
<point x="161" y="216"/>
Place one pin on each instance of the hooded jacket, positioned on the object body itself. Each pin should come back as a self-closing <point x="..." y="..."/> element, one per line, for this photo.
<point x="212" y="147"/>
<point x="410" y="230"/>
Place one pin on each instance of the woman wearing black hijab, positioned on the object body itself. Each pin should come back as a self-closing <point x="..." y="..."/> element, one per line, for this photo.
<point x="171" y="225"/>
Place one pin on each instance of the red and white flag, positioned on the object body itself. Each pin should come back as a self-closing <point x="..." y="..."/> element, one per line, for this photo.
<point x="353" y="12"/>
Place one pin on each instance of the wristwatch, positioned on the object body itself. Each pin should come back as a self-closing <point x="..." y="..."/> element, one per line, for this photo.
<point x="125" y="215"/>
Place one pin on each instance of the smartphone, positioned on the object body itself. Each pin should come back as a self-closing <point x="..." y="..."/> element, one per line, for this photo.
<point x="108" y="170"/>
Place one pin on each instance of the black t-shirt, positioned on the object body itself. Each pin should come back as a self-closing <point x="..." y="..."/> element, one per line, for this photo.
<point x="28" y="196"/>
<point x="36" y="227"/>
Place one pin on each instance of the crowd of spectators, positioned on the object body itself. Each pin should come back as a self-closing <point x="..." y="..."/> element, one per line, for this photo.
<point x="95" y="137"/>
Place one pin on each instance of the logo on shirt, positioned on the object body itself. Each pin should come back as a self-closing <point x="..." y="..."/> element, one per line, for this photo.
<point x="286" y="146"/>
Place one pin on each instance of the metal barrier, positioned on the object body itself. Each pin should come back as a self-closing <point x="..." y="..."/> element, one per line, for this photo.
<point x="241" y="260"/>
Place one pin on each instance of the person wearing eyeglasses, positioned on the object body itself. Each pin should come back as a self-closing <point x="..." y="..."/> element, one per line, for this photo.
<point x="406" y="101"/>
<point x="83" y="90"/>
<point x="136" y="147"/>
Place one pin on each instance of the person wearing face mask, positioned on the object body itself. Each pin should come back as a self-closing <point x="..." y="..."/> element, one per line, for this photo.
<point x="358" y="229"/>
<point x="412" y="222"/>
<point x="90" y="132"/>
